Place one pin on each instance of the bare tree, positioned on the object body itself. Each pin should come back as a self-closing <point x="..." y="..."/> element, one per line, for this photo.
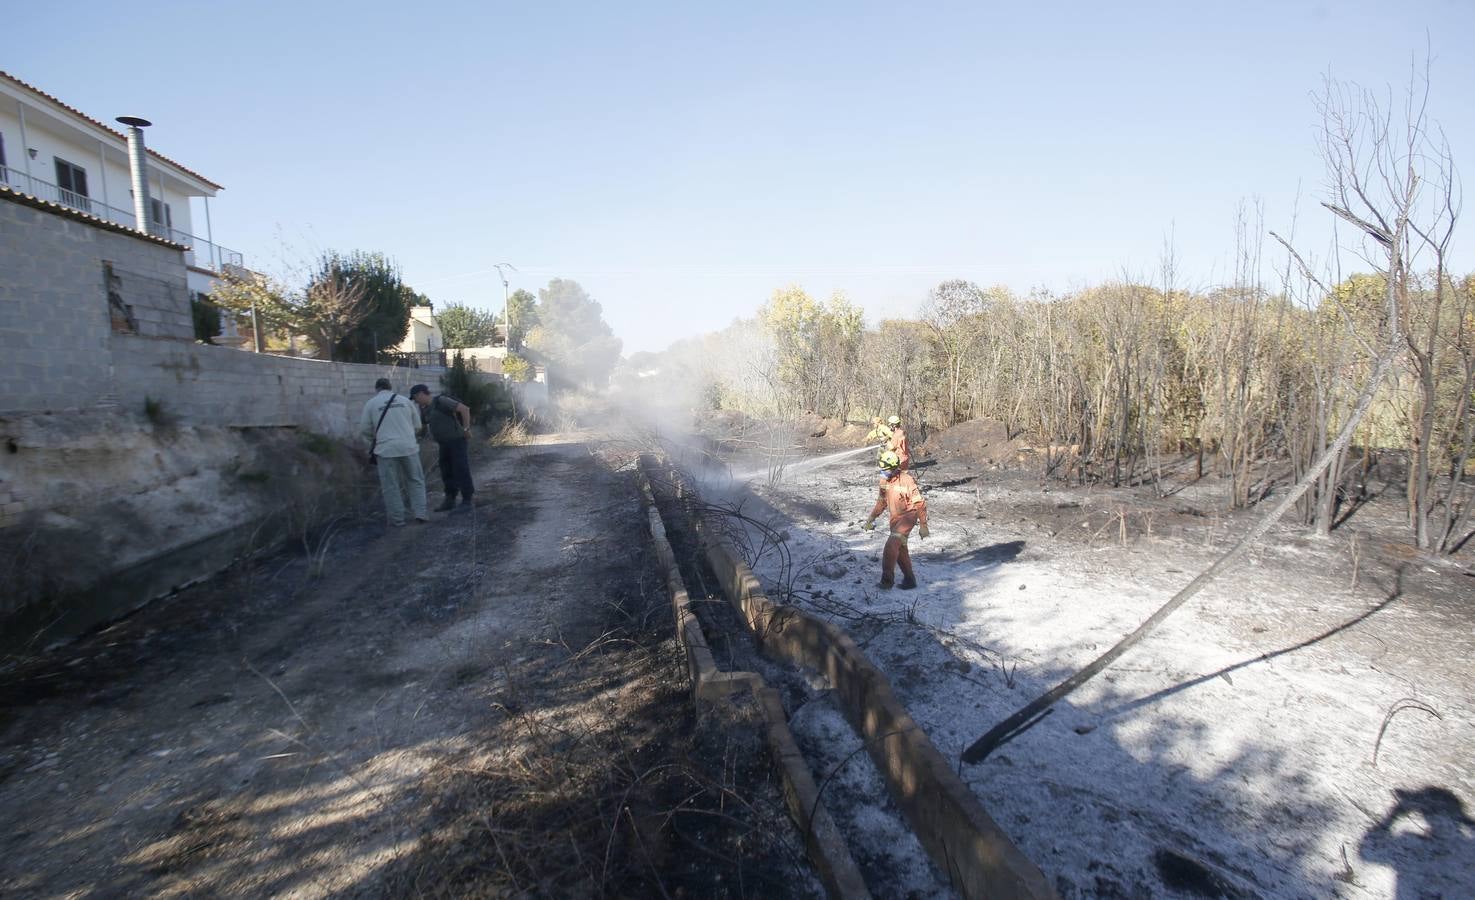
<point x="1396" y="183"/>
<point x="331" y="308"/>
<point x="1457" y="501"/>
<point x="1350" y="130"/>
<point x="954" y="312"/>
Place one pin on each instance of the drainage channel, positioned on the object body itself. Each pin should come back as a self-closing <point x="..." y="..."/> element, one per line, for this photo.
<point x="865" y="785"/>
<point x="750" y="692"/>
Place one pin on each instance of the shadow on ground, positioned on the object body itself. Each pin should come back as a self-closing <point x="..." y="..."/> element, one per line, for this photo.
<point x="488" y="705"/>
<point x="1187" y="808"/>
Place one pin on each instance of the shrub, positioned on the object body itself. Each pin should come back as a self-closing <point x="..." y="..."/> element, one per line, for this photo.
<point x="510" y="434"/>
<point x="481" y="397"/>
<point x="206" y="316"/>
<point x="317" y="444"/>
<point x="515" y="368"/>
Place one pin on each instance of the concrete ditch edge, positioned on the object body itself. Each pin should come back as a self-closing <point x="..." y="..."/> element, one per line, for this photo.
<point x="823" y="842"/>
<point x="964" y="841"/>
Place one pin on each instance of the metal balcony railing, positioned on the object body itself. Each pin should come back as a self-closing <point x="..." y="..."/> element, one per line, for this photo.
<point x="201" y="254"/>
<point x="413" y="359"/>
<point x="75" y="200"/>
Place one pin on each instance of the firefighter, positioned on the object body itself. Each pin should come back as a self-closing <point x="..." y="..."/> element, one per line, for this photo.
<point x="902" y="500"/>
<point x="896" y="442"/>
<point x="879" y="431"/>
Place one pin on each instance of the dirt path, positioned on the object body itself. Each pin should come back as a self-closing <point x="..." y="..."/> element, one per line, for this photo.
<point x="484" y="704"/>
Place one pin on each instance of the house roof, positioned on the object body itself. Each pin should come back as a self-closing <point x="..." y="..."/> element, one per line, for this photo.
<point x="105" y="127"/>
<point x="24" y="199"/>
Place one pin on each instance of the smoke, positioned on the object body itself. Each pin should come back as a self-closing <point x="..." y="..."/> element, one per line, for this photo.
<point x="711" y="400"/>
<point x="726" y="379"/>
<point x="733" y="369"/>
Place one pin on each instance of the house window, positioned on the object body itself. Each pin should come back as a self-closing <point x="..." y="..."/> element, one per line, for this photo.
<point x="163" y="219"/>
<point x="72" y="180"/>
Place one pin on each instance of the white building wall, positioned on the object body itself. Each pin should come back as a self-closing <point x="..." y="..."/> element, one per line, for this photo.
<point x="108" y="178"/>
<point x="199" y="282"/>
<point x="423" y="335"/>
<point x="481" y="359"/>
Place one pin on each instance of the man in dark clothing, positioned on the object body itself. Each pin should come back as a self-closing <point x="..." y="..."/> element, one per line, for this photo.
<point x="449" y="421"/>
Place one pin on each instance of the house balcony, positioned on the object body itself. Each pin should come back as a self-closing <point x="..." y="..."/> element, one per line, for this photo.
<point x="413" y="359"/>
<point x="201" y="254"/>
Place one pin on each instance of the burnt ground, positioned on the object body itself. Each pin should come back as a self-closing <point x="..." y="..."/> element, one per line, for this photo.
<point x="1301" y="728"/>
<point x="890" y="857"/>
<point x="488" y="705"/>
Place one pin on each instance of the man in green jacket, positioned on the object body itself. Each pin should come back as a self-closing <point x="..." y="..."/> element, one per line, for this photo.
<point x="449" y="421"/>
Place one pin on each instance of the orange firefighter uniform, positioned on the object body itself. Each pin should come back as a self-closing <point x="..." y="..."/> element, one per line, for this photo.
<point x="902" y="500"/>
<point x="898" y="445"/>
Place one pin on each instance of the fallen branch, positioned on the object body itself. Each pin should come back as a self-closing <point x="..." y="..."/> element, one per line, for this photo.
<point x="1395" y="709"/>
<point x="1007" y="729"/>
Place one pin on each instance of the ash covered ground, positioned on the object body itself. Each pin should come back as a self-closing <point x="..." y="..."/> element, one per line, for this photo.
<point x="1303" y="727"/>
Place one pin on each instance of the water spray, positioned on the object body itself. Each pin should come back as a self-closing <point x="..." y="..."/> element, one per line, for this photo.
<point x="805" y="465"/>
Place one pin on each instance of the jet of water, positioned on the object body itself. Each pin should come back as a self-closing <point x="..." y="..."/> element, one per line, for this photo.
<point x="804" y="465"/>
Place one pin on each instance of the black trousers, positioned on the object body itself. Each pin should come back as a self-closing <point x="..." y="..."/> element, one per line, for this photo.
<point x="455" y="468"/>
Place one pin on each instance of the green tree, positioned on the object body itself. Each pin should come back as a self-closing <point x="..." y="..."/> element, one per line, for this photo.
<point x="326" y="312"/>
<point x="334" y="305"/>
<point x="460" y="382"/>
<point x="522" y="307"/>
<point x="572" y="336"/>
<point x="387" y="297"/>
<point x="250" y="293"/>
<point x="515" y="368"/>
<point x="818" y="346"/>
<point x="206" y="316"/>
<point x="462" y="326"/>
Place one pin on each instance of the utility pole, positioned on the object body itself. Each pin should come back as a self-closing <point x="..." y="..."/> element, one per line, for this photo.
<point x="256" y="327"/>
<point x="506" y="304"/>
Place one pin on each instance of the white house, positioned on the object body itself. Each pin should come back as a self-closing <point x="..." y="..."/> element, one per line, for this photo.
<point x="424" y="334"/>
<point x="57" y="153"/>
<point x="425" y="346"/>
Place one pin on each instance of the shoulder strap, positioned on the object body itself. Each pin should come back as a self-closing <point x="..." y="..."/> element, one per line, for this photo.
<point x="375" y="441"/>
<point x="392" y="398"/>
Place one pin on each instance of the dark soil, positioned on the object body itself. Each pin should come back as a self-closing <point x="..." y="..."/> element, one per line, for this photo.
<point x="488" y="705"/>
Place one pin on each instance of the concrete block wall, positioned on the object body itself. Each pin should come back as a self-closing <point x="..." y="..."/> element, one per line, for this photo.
<point x="199" y="384"/>
<point x="157" y="290"/>
<point x="54" y="324"/>
<point x="12" y="503"/>
<point x="59" y="352"/>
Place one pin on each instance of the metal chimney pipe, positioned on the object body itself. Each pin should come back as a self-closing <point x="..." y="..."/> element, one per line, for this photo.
<point x="138" y="169"/>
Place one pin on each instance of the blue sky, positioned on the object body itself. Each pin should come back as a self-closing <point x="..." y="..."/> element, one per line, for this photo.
<point x="681" y="161"/>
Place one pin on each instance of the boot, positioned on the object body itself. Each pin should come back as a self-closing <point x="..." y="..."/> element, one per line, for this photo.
<point x="908" y="583"/>
<point x="466" y="504"/>
<point x="885" y="585"/>
<point x="447" y="504"/>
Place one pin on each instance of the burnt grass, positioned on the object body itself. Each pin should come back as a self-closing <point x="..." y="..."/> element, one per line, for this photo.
<point x="643" y="796"/>
<point x="663" y="802"/>
<point x="569" y="763"/>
